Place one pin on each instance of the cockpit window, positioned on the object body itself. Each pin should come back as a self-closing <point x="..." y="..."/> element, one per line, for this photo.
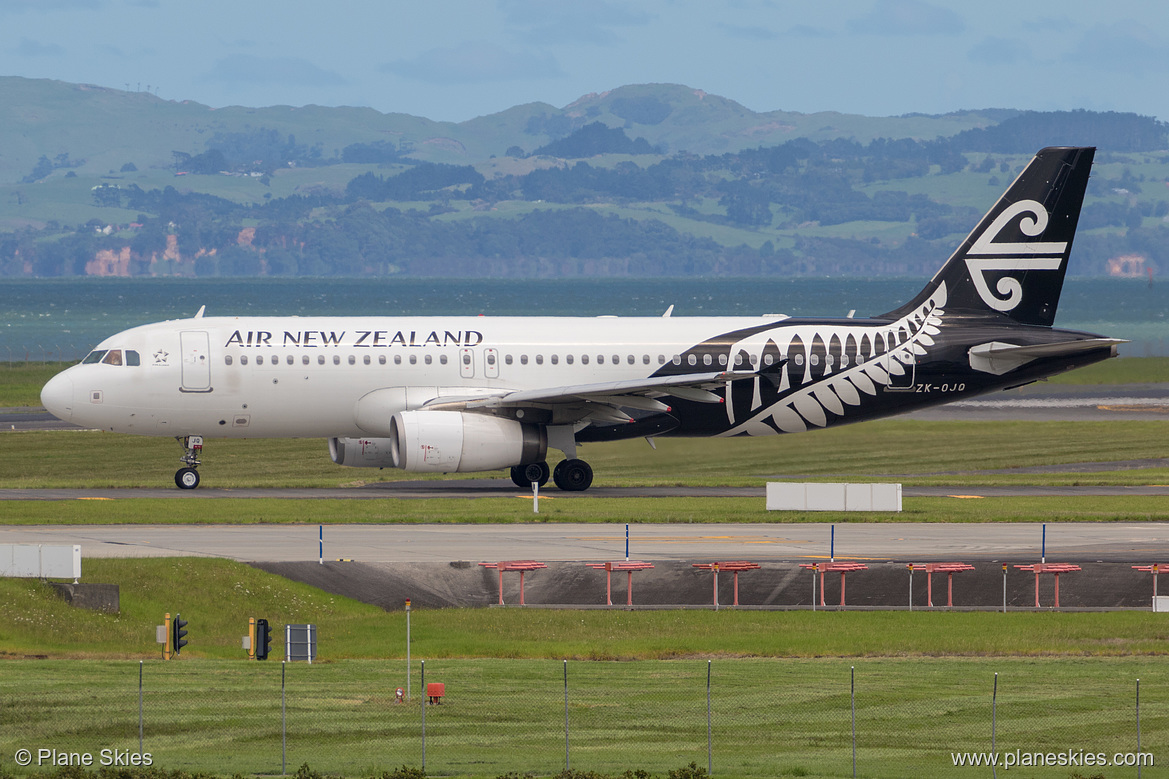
<point x="113" y="357"/>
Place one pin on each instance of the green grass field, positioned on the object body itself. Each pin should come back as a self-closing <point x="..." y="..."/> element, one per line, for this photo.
<point x="218" y="596"/>
<point x="907" y="451"/>
<point x="780" y="695"/>
<point x="767" y="718"/>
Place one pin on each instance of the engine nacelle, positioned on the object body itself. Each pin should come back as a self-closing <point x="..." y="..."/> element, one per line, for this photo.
<point x="361" y="452"/>
<point x="450" y="441"/>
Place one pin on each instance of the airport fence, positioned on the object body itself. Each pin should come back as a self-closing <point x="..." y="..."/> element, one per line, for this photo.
<point x="728" y="717"/>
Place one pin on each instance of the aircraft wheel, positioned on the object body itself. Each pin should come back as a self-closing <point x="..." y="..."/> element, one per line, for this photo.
<point x="523" y="475"/>
<point x="186" y="478"/>
<point x="573" y="475"/>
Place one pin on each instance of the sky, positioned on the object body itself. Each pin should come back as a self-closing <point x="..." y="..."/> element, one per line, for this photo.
<point x="453" y="60"/>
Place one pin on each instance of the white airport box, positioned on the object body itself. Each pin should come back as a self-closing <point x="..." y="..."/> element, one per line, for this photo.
<point x="40" y="561"/>
<point x="856" y="496"/>
<point x="795" y="496"/>
<point x="786" y="496"/>
<point x="825" y="497"/>
<point x="886" y="497"/>
<point x="1161" y="603"/>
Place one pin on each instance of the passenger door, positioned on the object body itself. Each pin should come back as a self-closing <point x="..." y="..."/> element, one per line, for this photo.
<point x="195" y="347"/>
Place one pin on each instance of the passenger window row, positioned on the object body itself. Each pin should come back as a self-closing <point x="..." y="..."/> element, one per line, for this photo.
<point x="428" y="359"/>
<point x="707" y="360"/>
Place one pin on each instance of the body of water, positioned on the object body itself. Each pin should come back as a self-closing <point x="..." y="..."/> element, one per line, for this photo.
<point x="61" y="319"/>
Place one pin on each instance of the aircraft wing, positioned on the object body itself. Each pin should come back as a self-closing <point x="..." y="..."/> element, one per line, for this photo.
<point x="601" y="400"/>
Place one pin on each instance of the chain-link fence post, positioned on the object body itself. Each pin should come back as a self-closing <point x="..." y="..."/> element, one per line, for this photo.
<point x="709" y="737"/>
<point x="994" y="698"/>
<point x="140" y="749"/>
<point x="567" y="763"/>
<point x="283" y="721"/>
<point x="852" y="686"/>
<point x="423" y="698"/>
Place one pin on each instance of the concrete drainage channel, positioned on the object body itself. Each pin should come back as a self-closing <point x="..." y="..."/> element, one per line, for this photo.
<point x="677" y="584"/>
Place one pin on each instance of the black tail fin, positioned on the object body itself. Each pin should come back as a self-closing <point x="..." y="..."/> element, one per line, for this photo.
<point x="1013" y="263"/>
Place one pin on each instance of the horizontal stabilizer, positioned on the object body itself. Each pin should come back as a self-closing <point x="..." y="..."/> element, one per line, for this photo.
<point x="998" y="358"/>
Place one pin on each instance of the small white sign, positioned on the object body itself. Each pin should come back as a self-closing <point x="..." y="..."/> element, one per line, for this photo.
<point x="794" y="496"/>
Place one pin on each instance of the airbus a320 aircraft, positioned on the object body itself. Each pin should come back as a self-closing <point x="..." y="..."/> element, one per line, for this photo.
<point x="447" y="394"/>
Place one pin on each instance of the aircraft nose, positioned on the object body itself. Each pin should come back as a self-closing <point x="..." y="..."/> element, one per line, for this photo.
<point x="57" y="396"/>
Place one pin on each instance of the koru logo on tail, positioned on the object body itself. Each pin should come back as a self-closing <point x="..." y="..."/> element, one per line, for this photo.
<point x="987" y="254"/>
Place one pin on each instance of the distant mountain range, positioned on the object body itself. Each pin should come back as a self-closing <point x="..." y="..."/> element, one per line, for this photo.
<point x="650" y="179"/>
<point x="102" y="128"/>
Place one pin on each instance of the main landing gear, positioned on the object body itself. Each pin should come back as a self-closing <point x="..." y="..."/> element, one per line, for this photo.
<point x="570" y="475"/>
<point x="188" y="478"/>
<point x="573" y="475"/>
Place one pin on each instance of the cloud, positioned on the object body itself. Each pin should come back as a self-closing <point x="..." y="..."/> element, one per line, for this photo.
<point x="474" y="62"/>
<point x="31" y="48"/>
<point x="41" y="6"/>
<point x="807" y="31"/>
<point x="1000" y="51"/>
<point x="908" y="17"/>
<point x="570" y="21"/>
<point x="288" y="71"/>
<point x="1050" y="24"/>
<point x="1124" y="47"/>
<point x="748" y="33"/>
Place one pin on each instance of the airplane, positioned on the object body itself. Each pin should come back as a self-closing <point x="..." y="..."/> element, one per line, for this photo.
<point x="468" y="394"/>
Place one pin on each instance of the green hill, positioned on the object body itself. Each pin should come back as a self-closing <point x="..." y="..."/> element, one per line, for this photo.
<point x="101" y="129"/>
<point x="650" y="179"/>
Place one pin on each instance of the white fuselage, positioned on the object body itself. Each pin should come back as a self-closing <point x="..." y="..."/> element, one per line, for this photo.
<point x="255" y="377"/>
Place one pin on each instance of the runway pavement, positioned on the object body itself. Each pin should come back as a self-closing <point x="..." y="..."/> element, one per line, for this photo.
<point x="908" y="542"/>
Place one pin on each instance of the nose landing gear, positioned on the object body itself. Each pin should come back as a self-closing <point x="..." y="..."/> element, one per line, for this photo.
<point x="188" y="478"/>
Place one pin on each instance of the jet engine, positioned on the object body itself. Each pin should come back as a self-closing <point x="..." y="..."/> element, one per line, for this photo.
<point x="450" y="441"/>
<point x="445" y="442"/>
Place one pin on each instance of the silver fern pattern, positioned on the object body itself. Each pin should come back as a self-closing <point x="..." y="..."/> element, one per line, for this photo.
<point x="839" y="369"/>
